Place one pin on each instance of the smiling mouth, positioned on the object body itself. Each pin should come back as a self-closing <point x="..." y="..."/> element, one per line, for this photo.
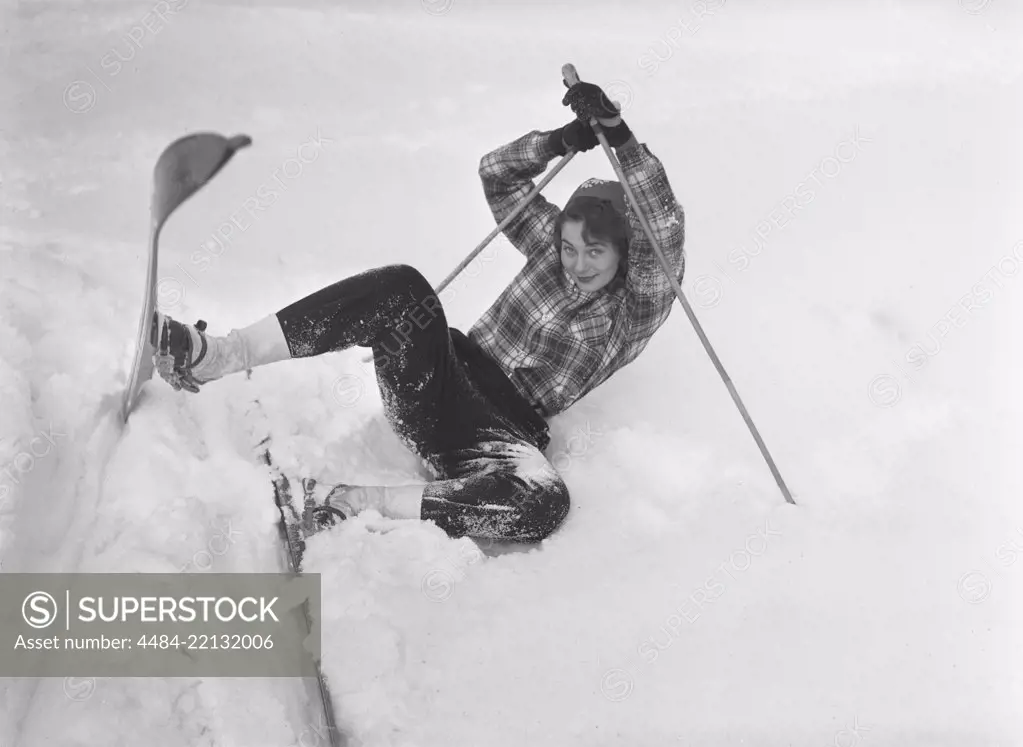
<point x="585" y="280"/>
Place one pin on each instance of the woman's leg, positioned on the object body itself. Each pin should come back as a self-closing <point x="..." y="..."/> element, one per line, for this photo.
<point x="492" y="481"/>
<point x="428" y="397"/>
<point x="382" y="309"/>
<point x="502" y="488"/>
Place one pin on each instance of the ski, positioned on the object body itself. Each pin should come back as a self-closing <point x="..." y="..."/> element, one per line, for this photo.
<point x="293" y="527"/>
<point x="182" y="169"/>
<point x="317" y="510"/>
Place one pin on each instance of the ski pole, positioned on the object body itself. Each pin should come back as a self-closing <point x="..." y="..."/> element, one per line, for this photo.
<point x="500" y="227"/>
<point x="511" y="216"/>
<point x="571" y="77"/>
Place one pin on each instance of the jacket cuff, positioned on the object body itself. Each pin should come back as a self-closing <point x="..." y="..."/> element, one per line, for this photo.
<point x="631" y="148"/>
<point x="552" y="145"/>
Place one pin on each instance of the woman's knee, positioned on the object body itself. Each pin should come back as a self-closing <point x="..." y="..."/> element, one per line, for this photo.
<point x="413" y="285"/>
<point x="536" y="492"/>
<point x="409" y="277"/>
<point x="543" y="510"/>
<point x="499" y="505"/>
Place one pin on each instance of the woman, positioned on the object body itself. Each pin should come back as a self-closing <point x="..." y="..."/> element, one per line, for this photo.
<point x="474" y="407"/>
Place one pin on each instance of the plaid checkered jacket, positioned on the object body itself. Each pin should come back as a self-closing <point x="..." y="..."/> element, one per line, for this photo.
<point x="554" y="341"/>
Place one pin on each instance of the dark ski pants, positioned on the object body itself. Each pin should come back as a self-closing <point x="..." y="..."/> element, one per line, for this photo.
<point x="486" y="450"/>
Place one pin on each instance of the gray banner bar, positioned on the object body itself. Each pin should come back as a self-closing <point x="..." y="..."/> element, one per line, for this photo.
<point x="159" y="625"/>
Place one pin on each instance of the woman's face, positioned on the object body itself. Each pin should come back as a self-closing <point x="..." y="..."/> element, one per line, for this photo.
<point x="592" y="265"/>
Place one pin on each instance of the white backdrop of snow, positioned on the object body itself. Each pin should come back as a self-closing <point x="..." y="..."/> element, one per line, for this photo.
<point x="887" y="599"/>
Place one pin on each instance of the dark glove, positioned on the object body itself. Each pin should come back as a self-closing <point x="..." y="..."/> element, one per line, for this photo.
<point x="576" y="135"/>
<point x="588" y="101"/>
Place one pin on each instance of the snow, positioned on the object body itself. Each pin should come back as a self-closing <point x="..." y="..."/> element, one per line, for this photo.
<point x="851" y="184"/>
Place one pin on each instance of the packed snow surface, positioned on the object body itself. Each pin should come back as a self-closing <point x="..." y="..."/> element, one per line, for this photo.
<point x="851" y="179"/>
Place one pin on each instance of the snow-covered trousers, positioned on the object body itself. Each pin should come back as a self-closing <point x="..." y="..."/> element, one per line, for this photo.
<point x="446" y="400"/>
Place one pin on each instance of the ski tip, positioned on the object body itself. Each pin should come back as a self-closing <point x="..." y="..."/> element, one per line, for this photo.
<point x="238" y="142"/>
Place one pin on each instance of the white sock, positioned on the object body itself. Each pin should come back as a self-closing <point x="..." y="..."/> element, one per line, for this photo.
<point x="256" y="345"/>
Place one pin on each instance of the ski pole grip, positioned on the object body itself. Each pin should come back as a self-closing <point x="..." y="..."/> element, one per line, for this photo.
<point x="571" y="77"/>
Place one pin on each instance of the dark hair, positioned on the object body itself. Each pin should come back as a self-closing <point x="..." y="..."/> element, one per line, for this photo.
<point x="601" y="222"/>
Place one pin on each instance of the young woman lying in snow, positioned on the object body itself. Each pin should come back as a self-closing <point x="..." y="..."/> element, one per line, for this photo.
<point x="473" y="407"/>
